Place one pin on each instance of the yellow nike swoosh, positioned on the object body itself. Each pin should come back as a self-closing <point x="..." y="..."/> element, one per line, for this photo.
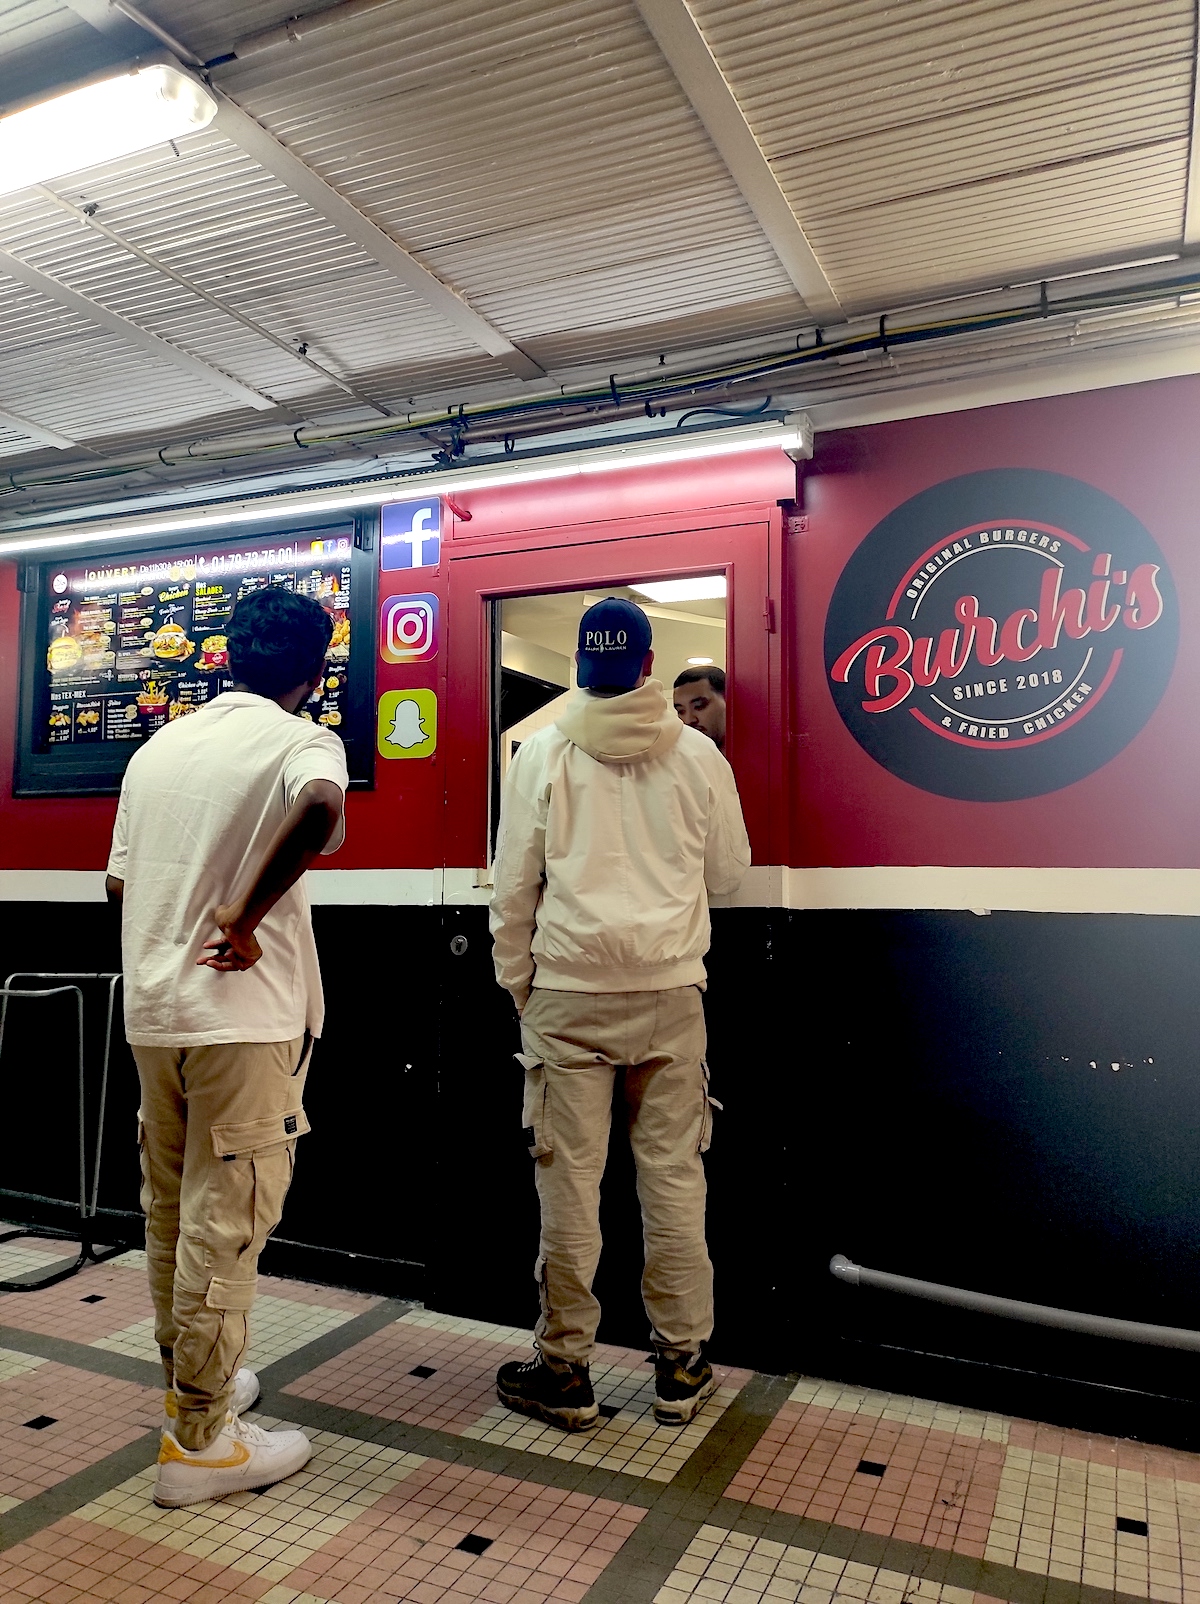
<point x="171" y="1452"/>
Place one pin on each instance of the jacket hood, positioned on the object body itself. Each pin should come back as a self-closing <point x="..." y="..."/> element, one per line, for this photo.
<point x="628" y="728"/>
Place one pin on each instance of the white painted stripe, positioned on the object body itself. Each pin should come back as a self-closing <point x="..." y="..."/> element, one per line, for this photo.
<point x="51" y="885"/>
<point x="980" y="890"/>
<point x="375" y="887"/>
<point x="468" y="887"/>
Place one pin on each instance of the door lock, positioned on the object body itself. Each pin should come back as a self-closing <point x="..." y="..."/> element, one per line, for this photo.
<point x="458" y="945"/>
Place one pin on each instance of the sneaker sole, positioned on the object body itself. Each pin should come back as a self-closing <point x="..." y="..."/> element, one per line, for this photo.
<point x="569" y="1419"/>
<point x="214" y="1486"/>
<point x="678" y="1411"/>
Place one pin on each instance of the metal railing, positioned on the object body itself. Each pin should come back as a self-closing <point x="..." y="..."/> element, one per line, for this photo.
<point x="1042" y="1314"/>
<point x="89" y="1250"/>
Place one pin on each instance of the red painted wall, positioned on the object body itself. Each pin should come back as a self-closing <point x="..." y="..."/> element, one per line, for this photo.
<point x="402" y="823"/>
<point x="1139" y="445"/>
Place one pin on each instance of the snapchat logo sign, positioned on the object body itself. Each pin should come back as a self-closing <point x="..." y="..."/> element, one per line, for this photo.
<point x="407" y="724"/>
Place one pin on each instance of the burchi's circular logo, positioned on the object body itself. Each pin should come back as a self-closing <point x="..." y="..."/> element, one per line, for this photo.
<point x="1001" y="635"/>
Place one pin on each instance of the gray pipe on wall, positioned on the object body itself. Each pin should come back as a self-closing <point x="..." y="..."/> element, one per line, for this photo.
<point x="1094" y="1325"/>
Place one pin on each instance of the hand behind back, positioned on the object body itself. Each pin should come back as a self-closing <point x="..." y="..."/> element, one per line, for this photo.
<point x="236" y="947"/>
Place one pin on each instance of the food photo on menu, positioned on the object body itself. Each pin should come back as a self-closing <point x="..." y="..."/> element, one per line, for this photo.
<point x="129" y="650"/>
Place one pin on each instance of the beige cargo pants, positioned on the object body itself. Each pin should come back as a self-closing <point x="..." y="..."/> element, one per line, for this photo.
<point x="576" y="1045"/>
<point x="217" y="1131"/>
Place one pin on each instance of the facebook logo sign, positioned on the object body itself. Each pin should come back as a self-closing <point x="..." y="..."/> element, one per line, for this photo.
<point x="411" y="534"/>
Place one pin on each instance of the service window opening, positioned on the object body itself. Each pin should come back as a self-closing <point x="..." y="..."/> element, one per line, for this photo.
<point x="534" y="638"/>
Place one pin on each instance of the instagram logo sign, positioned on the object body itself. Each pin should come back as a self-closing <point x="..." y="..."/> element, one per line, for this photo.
<point x="408" y="629"/>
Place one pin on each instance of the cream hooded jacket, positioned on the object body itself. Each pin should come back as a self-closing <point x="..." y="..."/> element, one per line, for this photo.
<point x="616" y="824"/>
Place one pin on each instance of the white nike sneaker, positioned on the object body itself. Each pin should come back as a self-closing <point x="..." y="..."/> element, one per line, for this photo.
<point x="246" y="1393"/>
<point x="241" y="1456"/>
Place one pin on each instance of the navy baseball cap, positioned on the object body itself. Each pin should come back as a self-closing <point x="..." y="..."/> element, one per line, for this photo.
<point x="614" y="637"/>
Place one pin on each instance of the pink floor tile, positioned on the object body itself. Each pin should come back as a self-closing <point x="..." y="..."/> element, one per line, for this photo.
<point x="405" y="1546"/>
<point x="937" y="1488"/>
<point x="73" y="1562"/>
<point x="375" y="1376"/>
<point x="60" y="1311"/>
<point x="1120" y="1452"/>
<point x="93" y="1416"/>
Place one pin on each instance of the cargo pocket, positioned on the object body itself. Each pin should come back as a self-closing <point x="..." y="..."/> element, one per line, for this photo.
<point x="535" y="1109"/>
<point x="209" y="1351"/>
<point x="259" y="1154"/>
<point x="706" y="1112"/>
<point x="227" y="1295"/>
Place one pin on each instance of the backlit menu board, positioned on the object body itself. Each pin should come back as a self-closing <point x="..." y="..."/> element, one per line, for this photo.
<point x="126" y="645"/>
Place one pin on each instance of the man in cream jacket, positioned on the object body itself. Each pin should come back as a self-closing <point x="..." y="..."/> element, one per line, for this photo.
<point x="617" y="822"/>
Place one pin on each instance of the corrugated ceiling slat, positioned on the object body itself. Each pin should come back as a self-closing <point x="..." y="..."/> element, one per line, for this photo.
<point x="491" y="137"/>
<point x="13" y="444"/>
<point x="216" y="218"/>
<point x="29" y="22"/>
<point x="847" y="66"/>
<point x="541" y="158"/>
<point x="1117" y="111"/>
<point x="621" y="347"/>
<point x="673" y="285"/>
<point x="938" y="144"/>
<point x="1012" y="229"/>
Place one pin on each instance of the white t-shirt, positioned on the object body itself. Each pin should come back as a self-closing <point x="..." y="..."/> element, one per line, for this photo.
<point x="201" y="803"/>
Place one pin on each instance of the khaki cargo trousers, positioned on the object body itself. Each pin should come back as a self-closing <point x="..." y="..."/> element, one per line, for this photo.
<point x="577" y="1046"/>
<point x="217" y="1131"/>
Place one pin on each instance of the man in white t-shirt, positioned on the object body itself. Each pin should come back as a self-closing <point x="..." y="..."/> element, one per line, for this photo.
<point x="220" y="814"/>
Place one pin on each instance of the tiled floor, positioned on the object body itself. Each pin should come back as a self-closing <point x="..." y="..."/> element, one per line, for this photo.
<point x="280" y="1327"/>
<point x="732" y="1566"/>
<point x="459" y="1359"/>
<point x="926" y="1484"/>
<point x="56" y="1420"/>
<point x="28" y="1254"/>
<point x="440" y="1371"/>
<point x="118" y="1316"/>
<point x="120" y="1294"/>
<point x="265" y="1534"/>
<point x="423" y="1488"/>
<point x="530" y="1541"/>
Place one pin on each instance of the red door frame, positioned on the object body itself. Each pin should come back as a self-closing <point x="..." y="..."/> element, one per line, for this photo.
<point x="744" y="542"/>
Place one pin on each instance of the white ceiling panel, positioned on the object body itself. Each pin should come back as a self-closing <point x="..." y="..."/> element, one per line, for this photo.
<point x="939" y="144"/>
<point x="542" y="161"/>
<point x="57" y="370"/>
<point x="811" y="76"/>
<point x="1006" y="231"/>
<point x="489" y="138"/>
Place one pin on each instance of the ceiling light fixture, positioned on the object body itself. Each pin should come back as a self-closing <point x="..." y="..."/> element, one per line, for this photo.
<point x="99" y="123"/>
<point x="793" y="436"/>
<point x="699" y="662"/>
<point x="709" y="587"/>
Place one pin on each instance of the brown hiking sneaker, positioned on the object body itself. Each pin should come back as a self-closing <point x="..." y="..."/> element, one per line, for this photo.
<point x="680" y="1387"/>
<point x="555" y="1390"/>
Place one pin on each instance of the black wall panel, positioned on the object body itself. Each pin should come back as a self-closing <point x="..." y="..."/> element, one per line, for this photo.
<point x="1009" y="1103"/>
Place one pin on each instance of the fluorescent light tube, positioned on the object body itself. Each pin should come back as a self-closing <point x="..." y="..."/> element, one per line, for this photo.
<point x="709" y="588"/>
<point x="100" y="123"/>
<point x="485" y="476"/>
